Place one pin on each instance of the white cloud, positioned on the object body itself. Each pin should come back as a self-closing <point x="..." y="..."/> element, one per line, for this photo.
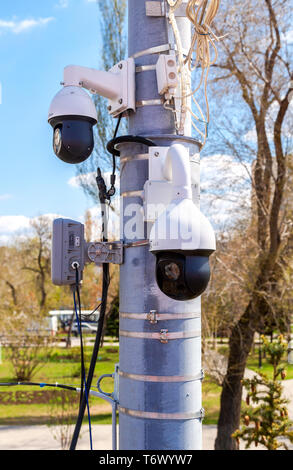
<point x="89" y="179"/>
<point x="13" y="223"/>
<point x="225" y="188"/>
<point x="288" y="36"/>
<point x="251" y="135"/>
<point x="12" y="226"/>
<point x="18" y="26"/>
<point x="62" y="4"/>
<point x="3" y="197"/>
<point x="78" y="181"/>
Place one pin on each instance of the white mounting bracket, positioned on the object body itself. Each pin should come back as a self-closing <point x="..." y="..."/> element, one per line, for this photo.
<point x="159" y="188"/>
<point x="126" y="101"/>
<point x="117" y="84"/>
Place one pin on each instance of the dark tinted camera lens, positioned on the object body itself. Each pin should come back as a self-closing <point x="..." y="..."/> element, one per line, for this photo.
<point x="73" y="139"/>
<point x="172" y="271"/>
<point x="182" y="277"/>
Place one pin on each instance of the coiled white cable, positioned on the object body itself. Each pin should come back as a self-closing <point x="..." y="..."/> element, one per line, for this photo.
<point x="201" y="14"/>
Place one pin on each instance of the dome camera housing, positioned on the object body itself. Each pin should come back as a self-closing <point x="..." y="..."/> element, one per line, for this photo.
<point x="182" y="261"/>
<point x="182" y="275"/>
<point x="72" y="115"/>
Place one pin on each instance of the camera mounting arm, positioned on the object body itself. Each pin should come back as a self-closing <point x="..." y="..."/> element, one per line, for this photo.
<point x="72" y="112"/>
<point x="117" y="84"/>
<point x="99" y="82"/>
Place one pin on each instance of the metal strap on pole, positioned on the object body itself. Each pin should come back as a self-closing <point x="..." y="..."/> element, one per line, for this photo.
<point x="136" y="243"/>
<point x="152" y="50"/>
<point x="156" y="50"/>
<point x="144" y="68"/>
<point x="154" y="102"/>
<point x="137" y="157"/>
<point x="162" y="378"/>
<point x="133" y="194"/>
<point x="154" y="316"/>
<point x="169" y="416"/>
<point x="163" y="336"/>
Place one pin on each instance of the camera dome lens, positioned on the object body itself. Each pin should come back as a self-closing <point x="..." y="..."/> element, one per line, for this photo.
<point x="57" y="140"/>
<point x="182" y="276"/>
<point x="73" y="139"/>
<point x="172" y="271"/>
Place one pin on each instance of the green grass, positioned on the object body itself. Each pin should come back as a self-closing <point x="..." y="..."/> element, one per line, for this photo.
<point x="252" y="363"/>
<point x="211" y="393"/>
<point x="62" y="367"/>
<point x="266" y="368"/>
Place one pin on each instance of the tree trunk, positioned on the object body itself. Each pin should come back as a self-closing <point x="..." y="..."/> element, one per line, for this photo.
<point x="241" y="340"/>
<point x="256" y="314"/>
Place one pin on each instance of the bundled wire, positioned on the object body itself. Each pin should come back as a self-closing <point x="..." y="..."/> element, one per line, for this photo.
<point x="112" y="189"/>
<point x="94" y="355"/>
<point x="201" y="14"/>
<point x="182" y="71"/>
<point x="83" y="375"/>
<point x="104" y="196"/>
<point x="39" y="384"/>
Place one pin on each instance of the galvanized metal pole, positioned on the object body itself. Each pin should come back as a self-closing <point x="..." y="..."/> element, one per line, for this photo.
<point x="159" y="380"/>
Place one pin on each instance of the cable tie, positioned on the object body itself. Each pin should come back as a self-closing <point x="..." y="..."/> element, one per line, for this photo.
<point x="207" y="125"/>
<point x="43" y="384"/>
<point x="202" y="34"/>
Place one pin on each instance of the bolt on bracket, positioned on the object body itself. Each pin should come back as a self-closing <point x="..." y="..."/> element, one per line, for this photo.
<point x="163" y="336"/>
<point x="105" y="252"/>
<point x="152" y="316"/>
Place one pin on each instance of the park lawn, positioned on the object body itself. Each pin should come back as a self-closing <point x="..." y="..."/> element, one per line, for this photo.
<point x="253" y="361"/>
<point x="266" y="368"/>
<point x="211" y="394"/>
<point x="64" y="367"/>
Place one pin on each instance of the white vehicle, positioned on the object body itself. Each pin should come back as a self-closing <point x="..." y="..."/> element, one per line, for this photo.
<point x="85" y="328"/>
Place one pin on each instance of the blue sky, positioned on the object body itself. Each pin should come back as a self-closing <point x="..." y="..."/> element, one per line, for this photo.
<point x="37" y="39"/>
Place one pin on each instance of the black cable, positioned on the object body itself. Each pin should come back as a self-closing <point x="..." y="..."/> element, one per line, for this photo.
<point x="82" y="375"/>
<point x="94" y="354"/>
<point x="105" y="286"/>
<point x="112" y="189"/>
<point x="111" y="145"/>
<point x="38" y="384"/>
<point x="104" y="195"/>
<point x="89" y="316"/>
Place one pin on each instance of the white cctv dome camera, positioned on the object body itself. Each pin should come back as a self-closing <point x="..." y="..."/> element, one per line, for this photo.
<point x="182" y="226"/>
<point x="72" y="115"/>
<point x="182" y="238"/>
<point x="72" y="112"/>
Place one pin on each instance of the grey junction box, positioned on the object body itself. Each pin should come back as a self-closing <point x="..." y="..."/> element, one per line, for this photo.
<point x="68" y="247"/>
